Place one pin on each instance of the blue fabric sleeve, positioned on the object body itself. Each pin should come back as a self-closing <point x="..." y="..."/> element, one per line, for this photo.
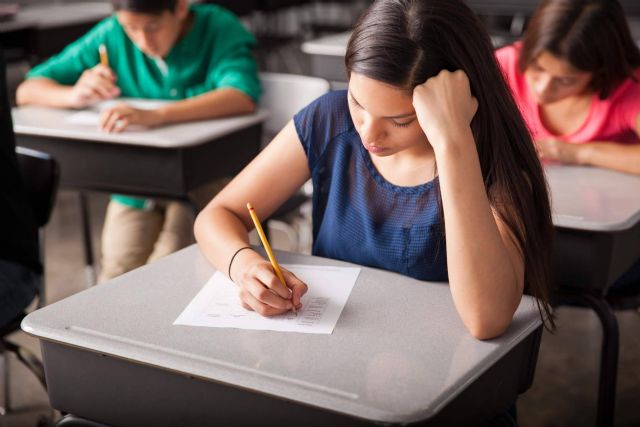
<point x="319" y="123"/>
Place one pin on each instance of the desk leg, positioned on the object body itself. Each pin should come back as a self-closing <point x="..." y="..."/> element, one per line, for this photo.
<point x="86" y="240"/>
<point x="5" y="406"/>
<point x="608" y="355"/>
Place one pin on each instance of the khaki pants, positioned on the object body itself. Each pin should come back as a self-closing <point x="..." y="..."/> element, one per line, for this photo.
<point x="133" y="237"/>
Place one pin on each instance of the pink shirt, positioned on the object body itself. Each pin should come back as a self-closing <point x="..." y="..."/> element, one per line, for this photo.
<point x="612" y="119"/>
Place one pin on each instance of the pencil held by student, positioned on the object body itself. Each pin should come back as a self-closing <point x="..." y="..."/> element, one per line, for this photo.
<point x="267" y="248"/>
<point x="265" y="242"/>
<point x="104" y="57"/>
<point x="93" y="85"/>
<point x="259" y="287"/>
<point x="264" y="286"/>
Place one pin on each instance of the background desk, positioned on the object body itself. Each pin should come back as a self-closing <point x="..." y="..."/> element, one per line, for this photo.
<point x="165" y="162"/>
<point x="327" y="56"/>
<point x="596" y="213"/>
<point x="39" y="31"/>
<point x="399" y="354"/>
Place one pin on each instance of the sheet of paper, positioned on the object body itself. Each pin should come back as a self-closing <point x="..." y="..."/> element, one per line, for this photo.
<point x="84" y="118"/>
<point x="217" y="305"/>
<point x="91" y="116"/>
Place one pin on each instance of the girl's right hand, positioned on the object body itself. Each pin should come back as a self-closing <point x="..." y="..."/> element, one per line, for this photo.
<point x="445" y="107"/>
<point x="95" y="84"/>
<point x="260" y="289"/>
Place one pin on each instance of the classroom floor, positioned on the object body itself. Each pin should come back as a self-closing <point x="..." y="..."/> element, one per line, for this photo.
<point x="563" y="393"/>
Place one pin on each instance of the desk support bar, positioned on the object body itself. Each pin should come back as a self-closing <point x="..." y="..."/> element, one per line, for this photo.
<point x="86" y="240"/>
<point x="609" y="351"/>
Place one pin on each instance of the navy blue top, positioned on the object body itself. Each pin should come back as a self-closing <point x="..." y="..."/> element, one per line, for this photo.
<point x="358" y="216"/>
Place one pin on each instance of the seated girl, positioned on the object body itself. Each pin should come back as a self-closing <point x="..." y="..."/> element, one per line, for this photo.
<point x="423" y="166"/>
<point x="575" y="76"/>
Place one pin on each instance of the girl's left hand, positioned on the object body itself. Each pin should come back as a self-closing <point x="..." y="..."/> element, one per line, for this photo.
<point x="116" y="119"/>
<point x="555" y="149"/>
<point x="444" y="107"/>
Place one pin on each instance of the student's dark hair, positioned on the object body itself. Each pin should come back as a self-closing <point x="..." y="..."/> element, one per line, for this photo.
<point x="592" y="35"/>
<point x="151" y="7"/>
<point x="405" y="42"/>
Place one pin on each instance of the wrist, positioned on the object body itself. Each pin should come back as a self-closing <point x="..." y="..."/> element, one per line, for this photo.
<point x="583" y="154"/>
<point x="159" y="116"/>
<point x="240" y="262"/>
<point x="454" y="142"/>
<point x="71" y="99"/>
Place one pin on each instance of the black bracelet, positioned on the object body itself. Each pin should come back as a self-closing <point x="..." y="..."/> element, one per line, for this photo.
<point x="233" y="257"/>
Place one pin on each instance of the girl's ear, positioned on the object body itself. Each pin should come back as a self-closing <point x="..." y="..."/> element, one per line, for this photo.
<point x="182" y="9"/>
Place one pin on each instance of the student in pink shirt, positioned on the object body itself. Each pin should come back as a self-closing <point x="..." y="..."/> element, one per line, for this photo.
<point x="576" y="78"/>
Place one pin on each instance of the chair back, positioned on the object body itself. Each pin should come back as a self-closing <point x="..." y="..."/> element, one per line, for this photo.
<point x="286" y="94"/>
<point x="40" y="174"/>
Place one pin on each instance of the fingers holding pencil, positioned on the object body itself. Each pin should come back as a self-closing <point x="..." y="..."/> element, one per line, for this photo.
<point x="297" y="288"/>
<point x="262" y="291"/>
<point x="292" y="290"/>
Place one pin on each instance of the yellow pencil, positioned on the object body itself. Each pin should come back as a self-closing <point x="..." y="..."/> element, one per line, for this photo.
<point x="265" y="243"/>
<point x="104" y="58"/>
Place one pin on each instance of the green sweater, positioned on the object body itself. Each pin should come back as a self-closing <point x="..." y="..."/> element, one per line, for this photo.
<point x="215" y="53"/>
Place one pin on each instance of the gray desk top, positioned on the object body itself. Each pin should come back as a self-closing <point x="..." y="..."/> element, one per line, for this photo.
<point x="333" y="45"/>
<point x="399" y="352"/>
<point x="42" y="121"/>
<point x="595" y="199"/>
<point x="57" y="15"/>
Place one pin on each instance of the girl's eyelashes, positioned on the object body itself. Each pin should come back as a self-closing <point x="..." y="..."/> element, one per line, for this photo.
<point x="402" y="125"/>
<point x="353" y="102"/>
<point x="566" y="82"/>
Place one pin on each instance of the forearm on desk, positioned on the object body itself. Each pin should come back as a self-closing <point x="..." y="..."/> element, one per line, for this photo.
<point x="218" y="103"/>
<point x="45" y="92"/>
<point x="620" y="157"/>
<point x="485" y="275"/>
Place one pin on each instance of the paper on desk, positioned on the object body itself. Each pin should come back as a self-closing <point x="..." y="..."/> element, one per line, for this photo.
<point x="217" y="305"/>
<point x="91" y="116"/>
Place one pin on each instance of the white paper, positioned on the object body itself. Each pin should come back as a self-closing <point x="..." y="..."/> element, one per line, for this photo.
<point x="91" y="116"/>
<point x="217" y="305"/>
<point x="84" y="118"/>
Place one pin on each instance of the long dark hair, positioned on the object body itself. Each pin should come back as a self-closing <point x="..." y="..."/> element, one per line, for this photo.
<point x="405" y="42"/>
<point x="592" y="35"/>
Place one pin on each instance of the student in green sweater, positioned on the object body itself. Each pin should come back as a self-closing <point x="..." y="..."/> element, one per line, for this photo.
<point x="199" y="56"/>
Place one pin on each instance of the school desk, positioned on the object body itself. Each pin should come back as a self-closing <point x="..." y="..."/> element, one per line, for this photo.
<point x="326" y="55"/>
<point x="38" y="31"/>
<point x="596" y="213"/>
<point x="165" y="162"/>
<point x="399" y="355"/>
